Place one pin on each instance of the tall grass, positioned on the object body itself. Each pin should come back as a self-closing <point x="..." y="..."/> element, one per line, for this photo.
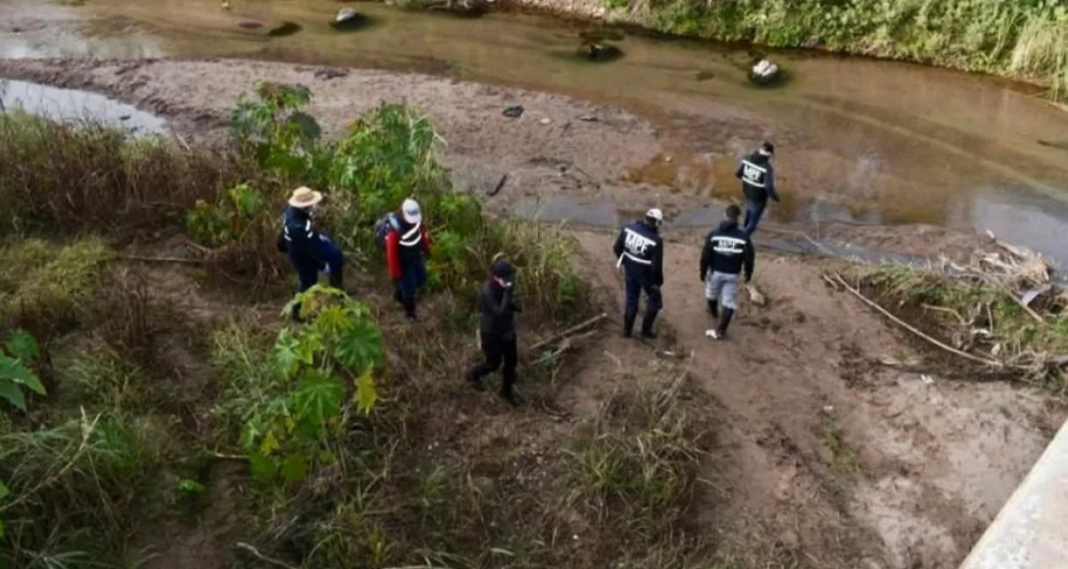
<point x="995" y="36"/>
<point x="1042" y="50"/>
<point x="69" y="177"/>
<point x="82" y="477"/>
<point x="636" y="464"/>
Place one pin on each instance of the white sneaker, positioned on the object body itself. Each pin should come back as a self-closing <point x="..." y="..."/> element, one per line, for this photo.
<point x="712" y="333"/>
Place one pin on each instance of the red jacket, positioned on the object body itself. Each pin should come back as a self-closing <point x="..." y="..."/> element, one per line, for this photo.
<point x="393" y="250"/>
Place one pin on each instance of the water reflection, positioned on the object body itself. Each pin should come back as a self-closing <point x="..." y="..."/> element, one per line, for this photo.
<point x="74" y="105"/>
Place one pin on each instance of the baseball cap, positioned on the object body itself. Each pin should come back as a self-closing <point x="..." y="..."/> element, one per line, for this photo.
<point x="410" y="211"/>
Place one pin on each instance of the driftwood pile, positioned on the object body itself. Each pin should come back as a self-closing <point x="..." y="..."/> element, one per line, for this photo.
<point x="1018" y="274"/>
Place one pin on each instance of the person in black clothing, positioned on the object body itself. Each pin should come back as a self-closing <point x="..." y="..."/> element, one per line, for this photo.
<point x="758" y="184"/>
<point x="497" y="329"/>
<point x="727" y="251"/>
<point x="639" y="249"/>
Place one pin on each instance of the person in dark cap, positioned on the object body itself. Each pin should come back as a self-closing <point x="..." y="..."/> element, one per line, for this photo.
<point x="758" y="184"/>
<point x="497" y="329"/>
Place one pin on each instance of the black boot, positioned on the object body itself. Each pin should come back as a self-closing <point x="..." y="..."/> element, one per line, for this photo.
<point x="647" y="325"/>
<point x="628" y="323"/>
<point x="409" y="309"/>
<point x="476" y="381"/>
<point x="713" y="308"/>
<point x="724" y="321"/>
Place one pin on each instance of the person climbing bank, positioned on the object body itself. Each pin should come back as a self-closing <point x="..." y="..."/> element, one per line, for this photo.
<point x="407" y="246"/>
<point x="497" y="306"/>
<point x="310" y="251"/>
<point x="639" y="249"/>
<point x="758" y="184"/>
<point x="727" y="251"/>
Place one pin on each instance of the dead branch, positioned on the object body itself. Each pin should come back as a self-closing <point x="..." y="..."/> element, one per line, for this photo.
<point x="181" y="260"/>
<point x="914" y="330"/>
<point x="256" y="553"/>
<point x="497" y="189"/>
<point x="565" y="345"/>
<point x="580" y="327"/>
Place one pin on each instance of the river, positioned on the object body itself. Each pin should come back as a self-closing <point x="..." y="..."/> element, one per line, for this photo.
<point x="858" y="140"/>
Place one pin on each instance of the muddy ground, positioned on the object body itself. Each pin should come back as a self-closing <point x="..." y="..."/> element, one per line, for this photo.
<point x="824" y="455"/>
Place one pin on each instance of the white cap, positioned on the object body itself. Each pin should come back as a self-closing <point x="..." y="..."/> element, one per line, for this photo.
<point x="410" y="211"/>
<point x="655" y="213"/>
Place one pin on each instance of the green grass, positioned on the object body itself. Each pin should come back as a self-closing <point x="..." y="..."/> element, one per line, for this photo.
<point x="838" y="454"/>
<point x="636" y="464"/>
<point x="1004" y="37"/>
<point x="48" y="285"/>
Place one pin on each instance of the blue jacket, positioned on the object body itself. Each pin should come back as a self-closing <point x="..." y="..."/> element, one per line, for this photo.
<point x="299" y="238"/>
<point x="640" y="249"/>
<point x="728" y="250"/>
<point x="758" y="178"/>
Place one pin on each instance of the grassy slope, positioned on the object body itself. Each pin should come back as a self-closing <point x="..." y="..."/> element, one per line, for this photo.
<point x="1026" y="38"/>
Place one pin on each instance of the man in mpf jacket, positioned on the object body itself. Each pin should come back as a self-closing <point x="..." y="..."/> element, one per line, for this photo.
<point x="726" y="253"/>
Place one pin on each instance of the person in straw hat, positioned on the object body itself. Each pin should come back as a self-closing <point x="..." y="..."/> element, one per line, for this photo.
<point x="310" y="251"/>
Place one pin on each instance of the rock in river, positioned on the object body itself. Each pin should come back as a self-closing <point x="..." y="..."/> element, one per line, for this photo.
<point x="765" y="73"/>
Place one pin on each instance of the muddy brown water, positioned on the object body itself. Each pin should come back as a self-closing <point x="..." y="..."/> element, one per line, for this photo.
<point x="858" y="140"/>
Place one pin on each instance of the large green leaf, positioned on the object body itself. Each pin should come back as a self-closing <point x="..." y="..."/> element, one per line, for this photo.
<point x="295" y="468"/>
<point x="318" y="398"/>
<point x="286" y="356"/>
<point x="360" y="347"/>
<point x="21" y="345"/>
<point x="17" y="372"/>
<point x="11" y="392"/>
<point x="333" y="320"/>
<point x="263" y="468"/>
<point x="366" y="394"/>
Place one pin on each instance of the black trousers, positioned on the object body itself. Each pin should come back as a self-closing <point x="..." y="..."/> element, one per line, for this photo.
<point x="497" y="349"/>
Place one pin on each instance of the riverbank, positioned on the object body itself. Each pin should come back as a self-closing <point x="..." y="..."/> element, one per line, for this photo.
<point x="820" y="435"/>
<point x="997" y="37"/>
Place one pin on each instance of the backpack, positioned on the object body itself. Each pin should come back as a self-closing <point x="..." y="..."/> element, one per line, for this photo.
<point x="382" y="227"/>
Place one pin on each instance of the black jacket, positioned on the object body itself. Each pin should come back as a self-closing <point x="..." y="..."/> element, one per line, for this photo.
<point x="498" y="309"/>
<point x="728" y="250"/>
<point x="640" y="249"/>
<point x="758" y="178"/>
<point x="299" y="238"/>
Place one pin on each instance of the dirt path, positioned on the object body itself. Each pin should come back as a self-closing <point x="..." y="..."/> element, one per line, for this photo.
<point x="825" y="456"/>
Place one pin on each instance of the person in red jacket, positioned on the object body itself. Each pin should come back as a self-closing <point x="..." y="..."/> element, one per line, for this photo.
<point x="407" y="246"/>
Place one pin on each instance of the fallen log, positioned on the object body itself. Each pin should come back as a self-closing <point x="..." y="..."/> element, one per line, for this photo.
<point x="580" y="327"/>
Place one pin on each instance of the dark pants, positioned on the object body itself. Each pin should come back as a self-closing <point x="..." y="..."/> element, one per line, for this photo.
<point x="496" y="348"/>
<point x="413" y="277"/>
<point x="635" y="286"/>
<point x="753" y="212"/>
<point x="308" y="269"/>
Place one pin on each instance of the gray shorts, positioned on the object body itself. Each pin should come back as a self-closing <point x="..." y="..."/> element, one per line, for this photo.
<point x="722" y="288"/>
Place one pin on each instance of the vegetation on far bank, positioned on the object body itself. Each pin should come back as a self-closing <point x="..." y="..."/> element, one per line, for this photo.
<point x="139" y="399"/>
<point x="1024" y="38"/>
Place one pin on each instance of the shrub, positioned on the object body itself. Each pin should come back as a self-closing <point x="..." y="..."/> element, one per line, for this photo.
<point x="286" y="410"/>
<point x="46" y="286"/>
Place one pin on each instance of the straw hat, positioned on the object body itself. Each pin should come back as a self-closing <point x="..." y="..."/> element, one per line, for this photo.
<point x="305" y="197"/>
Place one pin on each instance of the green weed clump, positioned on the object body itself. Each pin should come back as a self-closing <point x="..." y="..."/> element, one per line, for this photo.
<point x="45" y="286"/>
<point x="994" y="36"/>
<point x="637" y="463"/>
<point x="66" y="177"/>
<point x="83" y="476"/>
